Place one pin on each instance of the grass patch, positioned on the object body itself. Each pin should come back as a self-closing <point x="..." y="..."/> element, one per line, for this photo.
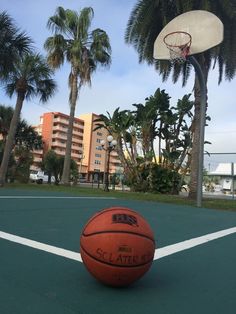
<point x="223" y="204"/>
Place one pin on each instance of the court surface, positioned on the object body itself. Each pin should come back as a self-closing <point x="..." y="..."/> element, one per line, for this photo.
<point x="41" y="270"/>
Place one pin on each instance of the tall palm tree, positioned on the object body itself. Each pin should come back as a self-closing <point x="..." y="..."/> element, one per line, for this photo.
<point x="83" y="49"/>
<point x="6" y="113"/>
<point x="30" y="77"/>
<point x="13" y="43"/>
<point x="146" y="21"/>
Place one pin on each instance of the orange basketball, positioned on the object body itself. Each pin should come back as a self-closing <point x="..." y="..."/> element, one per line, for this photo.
<point x="117" y="246"/>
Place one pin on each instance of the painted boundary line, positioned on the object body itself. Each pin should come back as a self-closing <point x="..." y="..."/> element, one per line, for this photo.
<point x="188" y="244"/>
<point x="159" y="253"/>
<point x="57" y="197"/>
<point x="41" y="246"/>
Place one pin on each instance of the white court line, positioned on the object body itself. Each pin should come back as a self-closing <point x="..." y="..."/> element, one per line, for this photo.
<point x="188" y="244"/>
<point x="41" y="246"/>
<point x="159" y="253"/>
<point x="56" y="197"/>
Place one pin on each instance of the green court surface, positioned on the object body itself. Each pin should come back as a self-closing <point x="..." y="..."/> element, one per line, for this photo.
<point x="198" y="280"/>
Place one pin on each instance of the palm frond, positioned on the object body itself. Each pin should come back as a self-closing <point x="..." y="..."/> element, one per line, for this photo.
<point x="148" y="18"/>
<point x="84" y="22"/>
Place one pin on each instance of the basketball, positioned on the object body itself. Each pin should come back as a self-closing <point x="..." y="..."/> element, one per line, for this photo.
<point x="117" y="246"/>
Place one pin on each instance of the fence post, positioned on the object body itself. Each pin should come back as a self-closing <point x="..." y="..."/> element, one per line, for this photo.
<point x="232" y="176"/>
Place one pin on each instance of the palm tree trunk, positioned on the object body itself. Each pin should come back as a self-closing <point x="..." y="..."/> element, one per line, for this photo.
<point x="11" y="138"/>
<point x="66" y="167"/>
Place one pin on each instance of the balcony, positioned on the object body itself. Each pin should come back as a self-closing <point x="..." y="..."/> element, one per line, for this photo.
<point x="37" y="159"/>
<point x="58" y="152"/>
<point x="61" y="120"/>
<point x="37" y="151"/>
<point x="77" y="140"/>
<point x="59" y="128"/>
<point x="58" y="135"/>
<point x="59" y="144"/>
<point x="79" y="133"/>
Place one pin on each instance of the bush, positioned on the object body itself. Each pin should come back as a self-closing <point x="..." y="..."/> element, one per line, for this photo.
<point x="157" y="179"/>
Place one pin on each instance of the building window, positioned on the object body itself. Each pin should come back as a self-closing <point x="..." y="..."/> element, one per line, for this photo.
<point x="98" y="155"/>
<point x="99" y="133"/>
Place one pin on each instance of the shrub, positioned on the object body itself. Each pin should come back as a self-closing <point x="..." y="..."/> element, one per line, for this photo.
<point x="157" y="179"/>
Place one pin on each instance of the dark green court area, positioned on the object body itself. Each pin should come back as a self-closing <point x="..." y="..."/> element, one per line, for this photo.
<point x="200" y="280"/>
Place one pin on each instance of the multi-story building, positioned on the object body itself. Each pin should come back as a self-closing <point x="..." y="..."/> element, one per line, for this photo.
<point x="38" y="154"/>
<point x="87" y="150"/>
<point x="95" y="157"/>
<point x="53" y="129"/>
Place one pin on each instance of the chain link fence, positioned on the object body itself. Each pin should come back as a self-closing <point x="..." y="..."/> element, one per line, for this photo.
<point x="219" y="177"/>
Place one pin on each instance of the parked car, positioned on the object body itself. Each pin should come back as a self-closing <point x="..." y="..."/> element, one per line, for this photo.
<point x="40" y="177"/>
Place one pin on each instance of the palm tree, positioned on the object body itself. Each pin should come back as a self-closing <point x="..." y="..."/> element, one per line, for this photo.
<point x="31" y="77"/>
<point x="25" y="133"/>
<point x="6" y="114"/>
<point x="117" y="125"/>
<point x="13" y="43"/>
<point x="27" y="137"/>
<point x="84" y="50"/>
<point x="146" y="21"/>
<point x="147" y="117"/>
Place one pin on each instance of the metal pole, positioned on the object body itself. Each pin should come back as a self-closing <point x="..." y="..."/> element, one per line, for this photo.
<point x="202" y="85"/>
<point x="107" y="170"/>
<point x="232" y="176"/>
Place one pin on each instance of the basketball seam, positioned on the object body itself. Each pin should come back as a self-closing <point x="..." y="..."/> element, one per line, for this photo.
<point x="114" y="265"/>
<point x="119" y="231"/>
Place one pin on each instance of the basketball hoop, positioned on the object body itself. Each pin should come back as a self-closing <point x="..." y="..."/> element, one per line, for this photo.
<point x="179" y="44"/>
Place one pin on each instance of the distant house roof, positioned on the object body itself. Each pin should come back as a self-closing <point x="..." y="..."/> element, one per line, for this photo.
<point x="223" y="169"/>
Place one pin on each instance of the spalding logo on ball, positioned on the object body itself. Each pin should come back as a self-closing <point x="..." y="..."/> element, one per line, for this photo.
<point x="117" y="246"/>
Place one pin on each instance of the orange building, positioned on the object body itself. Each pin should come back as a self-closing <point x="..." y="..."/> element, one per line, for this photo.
<point x="53" y="129"/>
<point x="87" y="150"/>
<point x="37" y="154"/>
<point x="95" y="157"/>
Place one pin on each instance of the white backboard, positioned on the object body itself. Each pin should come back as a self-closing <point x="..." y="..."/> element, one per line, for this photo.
<point x="205" y="28"/>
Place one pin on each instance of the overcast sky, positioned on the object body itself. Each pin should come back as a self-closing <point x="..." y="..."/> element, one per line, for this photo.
<point x="127" y="81"/>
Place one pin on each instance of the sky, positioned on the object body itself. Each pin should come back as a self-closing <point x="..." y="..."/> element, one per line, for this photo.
<point x="127" y="81"/>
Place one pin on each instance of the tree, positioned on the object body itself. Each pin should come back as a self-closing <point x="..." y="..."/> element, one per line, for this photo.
<point x="25" y="134"/>
<point x="27" y="137"/>
<point x="6" y="114"/>
<point x="13" y="44"/>
<point x="31" y="77"/>
<point x="53" y="164"/>
<point x="21" y="168"/>
<point x="84" y="50"/>
<point x="121" y="126"/>
<point x="175" y="131"/>
<point x="147" y="117"/>
<point x="141" y="127"/>
<point x="146" y="21"/>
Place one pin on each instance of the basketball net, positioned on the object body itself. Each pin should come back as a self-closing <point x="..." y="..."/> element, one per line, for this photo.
<point x="179" y="44"/>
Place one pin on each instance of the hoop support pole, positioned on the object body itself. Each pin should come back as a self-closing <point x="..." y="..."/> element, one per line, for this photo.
<point x="202" y="85"/>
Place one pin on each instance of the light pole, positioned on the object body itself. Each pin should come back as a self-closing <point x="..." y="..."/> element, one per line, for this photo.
<point x="108" y="146"/>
